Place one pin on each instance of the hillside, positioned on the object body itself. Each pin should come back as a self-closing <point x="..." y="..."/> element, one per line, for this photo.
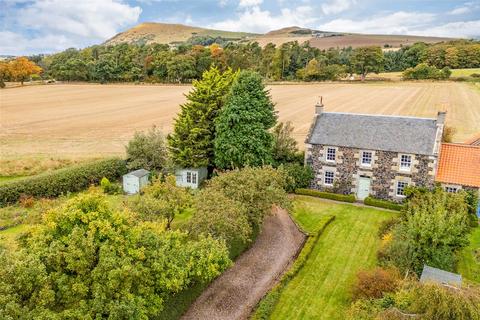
<point x="151" y="32"/>
<point x="175" y="33"/>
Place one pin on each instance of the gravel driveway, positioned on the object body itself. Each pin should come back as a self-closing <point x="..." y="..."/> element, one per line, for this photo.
<point x="236" y="292"/>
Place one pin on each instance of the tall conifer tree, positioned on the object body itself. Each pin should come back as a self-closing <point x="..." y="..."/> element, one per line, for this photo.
<point x="242" y="127"/>
<point x="191" y="143"/>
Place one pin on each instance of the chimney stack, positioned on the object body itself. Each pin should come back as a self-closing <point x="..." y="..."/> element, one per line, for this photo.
<point x="319" y="106"/>
<point x="441" y="116"/>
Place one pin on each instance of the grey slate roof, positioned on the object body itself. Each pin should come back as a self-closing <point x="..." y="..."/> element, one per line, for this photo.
<point x="139" y="173"/>
<point x="374" y="132"/>
<point x="440" y="276"/>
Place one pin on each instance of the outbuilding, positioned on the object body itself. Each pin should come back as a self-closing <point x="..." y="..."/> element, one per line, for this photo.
<point x="191" y="177"/>
<point x="134" y="181"/>
<point x="430" y="274"/>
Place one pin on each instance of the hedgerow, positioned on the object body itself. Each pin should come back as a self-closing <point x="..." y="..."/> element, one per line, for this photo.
<point x="62" y="181"/>
<point x="327" y="195"/>
<point x="371" y="201"/>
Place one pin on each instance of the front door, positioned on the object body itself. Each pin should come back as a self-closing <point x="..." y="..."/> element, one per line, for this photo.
<point x="363" y="187"/>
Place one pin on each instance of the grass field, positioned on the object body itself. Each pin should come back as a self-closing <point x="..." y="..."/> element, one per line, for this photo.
<point x="397" y="76"/>
<point x="347" y="245"/>
<point x="469" y="259"/>
<point x="79" y="121"/>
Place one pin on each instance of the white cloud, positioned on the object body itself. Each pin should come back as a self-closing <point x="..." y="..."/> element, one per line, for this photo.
<point x="255" y="19"/>
<point x="395" y="23"/>
<point x="54" y="25"/>
<point x="460" y="10"/>
<point x="249" y="3"/>
<point x="337" y="6"/>
<point x="459" y="29"/>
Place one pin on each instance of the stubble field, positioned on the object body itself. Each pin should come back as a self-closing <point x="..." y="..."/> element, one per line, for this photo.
<point x="88" y="120"/>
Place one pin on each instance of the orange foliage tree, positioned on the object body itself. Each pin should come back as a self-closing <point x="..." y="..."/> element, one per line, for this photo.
<point x="22" y="69"/>
<point x="4" y="73"/>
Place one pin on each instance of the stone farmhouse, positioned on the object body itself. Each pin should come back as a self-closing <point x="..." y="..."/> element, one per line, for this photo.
<point x="373" y="154"/>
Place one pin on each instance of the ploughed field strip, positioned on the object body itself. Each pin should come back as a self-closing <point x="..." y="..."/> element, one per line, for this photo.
<point x="235" y="293"/>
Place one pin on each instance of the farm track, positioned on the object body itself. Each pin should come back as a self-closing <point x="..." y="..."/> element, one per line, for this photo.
<point x="81" y="120"/>
<point x="235" y="293"/>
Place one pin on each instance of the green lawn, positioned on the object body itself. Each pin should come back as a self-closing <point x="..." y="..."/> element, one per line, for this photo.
<point x="469" y="258"/>
<point x="464" y="72"/>
<point x="321" y="290"/>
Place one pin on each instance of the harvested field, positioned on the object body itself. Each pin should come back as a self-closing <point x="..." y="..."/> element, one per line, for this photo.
<point x="88" y="120"/>
<point x="235" y="293"/>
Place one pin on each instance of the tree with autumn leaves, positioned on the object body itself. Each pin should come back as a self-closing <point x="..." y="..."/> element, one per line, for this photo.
<point x="19" y="69"/>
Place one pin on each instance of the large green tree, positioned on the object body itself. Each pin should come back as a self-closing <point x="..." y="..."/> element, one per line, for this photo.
<point x="242" y="128"/>
<point x="191" y="143"/>
<point x="365" y="60"/>
<point x="87" y="261"/>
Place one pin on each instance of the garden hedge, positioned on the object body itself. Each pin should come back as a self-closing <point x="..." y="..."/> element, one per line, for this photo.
<point x="62" y="181"/>
<point x="371" y="201"/>
<point x="327" y="195"/>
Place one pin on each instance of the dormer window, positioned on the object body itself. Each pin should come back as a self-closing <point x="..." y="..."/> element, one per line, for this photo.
<point x="405" y="162"/>
<point x="331" y="154"/>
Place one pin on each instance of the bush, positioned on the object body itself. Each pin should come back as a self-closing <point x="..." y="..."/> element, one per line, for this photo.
<point x="299" y="176"/>
<point x="423" y="71"/>
<point x="62" y="181"/>
<point x="386" y="226"/>
<point x="371" y="201"/>
<point x="327" y="195"/>
<point x="110" y="188"/>
<point x="373" y="284"/>
<point x="475" y="75"/>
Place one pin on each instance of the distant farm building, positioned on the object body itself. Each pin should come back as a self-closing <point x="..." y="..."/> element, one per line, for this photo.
<point x="134" y="181"/>
<point x="191" y="177"/>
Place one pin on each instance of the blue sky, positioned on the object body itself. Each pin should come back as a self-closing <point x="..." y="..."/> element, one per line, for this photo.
<point x="45" y="26"/>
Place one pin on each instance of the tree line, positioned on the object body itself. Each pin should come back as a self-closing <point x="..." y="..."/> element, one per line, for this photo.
<point x="289" y="61"/>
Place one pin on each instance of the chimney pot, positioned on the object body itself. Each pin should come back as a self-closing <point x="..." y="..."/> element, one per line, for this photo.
<point x="319" y="107"/>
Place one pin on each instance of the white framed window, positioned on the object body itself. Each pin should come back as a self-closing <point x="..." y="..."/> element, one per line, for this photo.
<point x="329" y="177"/>
<point x="451" y="189"/>
<point x="331" y="154"/>
<point x="400" y="192"/>
<point x="194" y="177"/>
<point x="367" y="157"/>
<point x="405" y="162"/>
<point x="189" y="177"/>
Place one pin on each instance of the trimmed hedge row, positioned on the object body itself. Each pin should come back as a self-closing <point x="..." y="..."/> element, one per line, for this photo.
<point x="327" y="195"/>
<point x="371" y="201"/>
<point x="55" y="183"/>
<point x="267" y="304"/>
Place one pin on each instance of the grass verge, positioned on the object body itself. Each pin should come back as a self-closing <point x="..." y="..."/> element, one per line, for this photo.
<point x="469" y="258"/>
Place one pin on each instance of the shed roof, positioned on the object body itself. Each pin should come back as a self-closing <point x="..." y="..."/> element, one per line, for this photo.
<point x="375" y="132"/>
<point x="459" y="164"/>
<point x="139" y="173"/>
<point x="440" y="276"/>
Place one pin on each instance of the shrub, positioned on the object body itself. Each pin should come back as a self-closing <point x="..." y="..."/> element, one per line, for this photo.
<point x="62" y="181"/>
<point x="448" y="133"/>
<point x="147" y="151"/>
<point x="327" y="195"/>
<point x="386" y="226"/>
<point x="110" y="188"/>
<point x="26" y="201"/>
<point x="424" y="71"/>
<point x="373" y="284"/>
<point x="475" y="75"/>
<point x="299" y="176"/>
<point x="371" y="201"/>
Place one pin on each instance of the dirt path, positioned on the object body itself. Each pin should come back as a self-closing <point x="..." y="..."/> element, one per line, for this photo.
<point x="235" y="293"/>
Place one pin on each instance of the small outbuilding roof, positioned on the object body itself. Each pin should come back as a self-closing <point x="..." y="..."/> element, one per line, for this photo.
<point x="139" y="173"/>
<point x="440" y="276"/>
<point x="375" y="132"/>
<point x="459" y="164"/>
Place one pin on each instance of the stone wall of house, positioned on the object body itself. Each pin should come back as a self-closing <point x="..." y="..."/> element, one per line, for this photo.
<point x="384" y="172"/>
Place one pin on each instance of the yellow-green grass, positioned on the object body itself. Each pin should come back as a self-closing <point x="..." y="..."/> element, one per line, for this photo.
<point x="321" y="290"/>
<point x="464" y="72"/>
<point x="8" y="236"/>
<point x="396" y="76"/>
<point x="469" y="258"/>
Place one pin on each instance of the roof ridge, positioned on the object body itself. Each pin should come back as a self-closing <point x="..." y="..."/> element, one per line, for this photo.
<point x="381" y="115"/>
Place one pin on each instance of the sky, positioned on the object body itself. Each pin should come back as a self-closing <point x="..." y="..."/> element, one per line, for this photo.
<point x="47" y="26"/>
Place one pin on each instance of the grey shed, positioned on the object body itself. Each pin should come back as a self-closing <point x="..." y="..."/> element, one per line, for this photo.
<point x="430" y="274"/>
<point x="134" y="181"/>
